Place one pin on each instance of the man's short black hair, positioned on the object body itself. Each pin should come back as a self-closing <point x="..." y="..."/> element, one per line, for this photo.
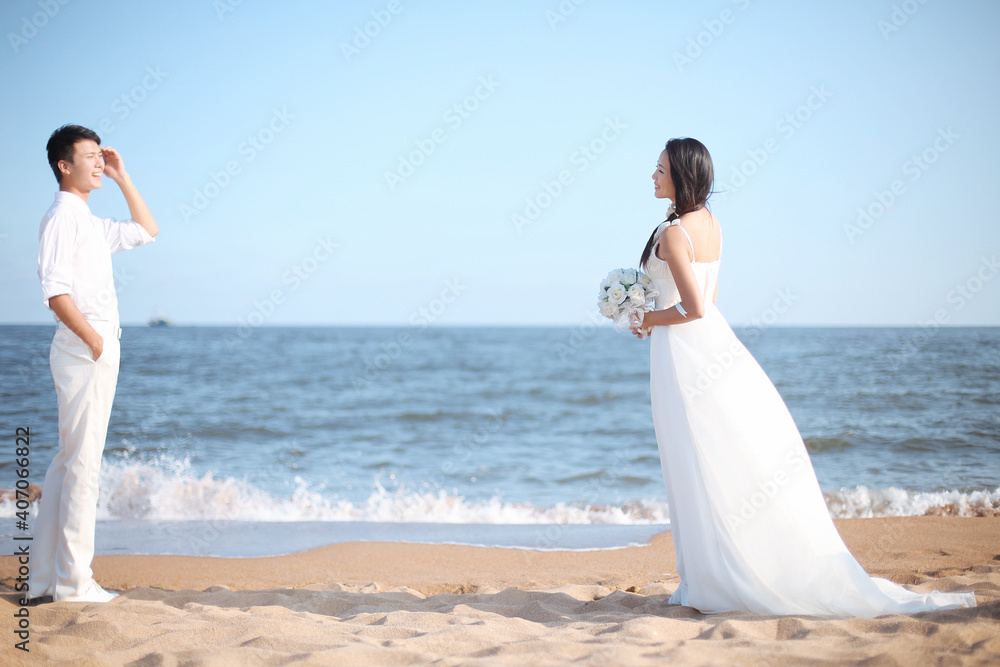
<point x="61" y="143"/>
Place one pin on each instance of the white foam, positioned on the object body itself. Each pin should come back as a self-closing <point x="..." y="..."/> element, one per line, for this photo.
<point x="167" y="489"/>
<point x="862" y="502"/>
<point x="170" y="490"/>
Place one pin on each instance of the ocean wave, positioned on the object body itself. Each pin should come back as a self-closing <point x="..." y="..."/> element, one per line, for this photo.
<point x="862" y="502"/>
<point x="169" y="490"/>
<point x="436" y="416"/>
<point x="826" y="444"/>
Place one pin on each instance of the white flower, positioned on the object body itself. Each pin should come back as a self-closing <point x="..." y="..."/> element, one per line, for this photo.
<point x="629" y="277"/>
<point x="645" y="280"/>
<point x="614" y="277"/>
<point x="616" y="293"/>
<point x="637" y="294"/>
<point x="608" y="309"/>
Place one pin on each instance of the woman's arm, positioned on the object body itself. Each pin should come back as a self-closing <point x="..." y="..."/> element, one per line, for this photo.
<point x="674" y="249"/>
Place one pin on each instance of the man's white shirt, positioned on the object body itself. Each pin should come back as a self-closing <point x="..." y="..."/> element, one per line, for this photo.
<point x="74" y="255"/>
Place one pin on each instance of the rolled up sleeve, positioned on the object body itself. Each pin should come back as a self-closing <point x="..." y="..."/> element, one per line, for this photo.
<point x="125" y="234"/>
<point x="56" y="247"/>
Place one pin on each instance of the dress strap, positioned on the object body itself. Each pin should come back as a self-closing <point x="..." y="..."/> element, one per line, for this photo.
<point x="676" y="223"/>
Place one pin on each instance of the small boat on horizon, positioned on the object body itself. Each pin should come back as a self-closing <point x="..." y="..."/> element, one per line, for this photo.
<point x="160" y="321"/>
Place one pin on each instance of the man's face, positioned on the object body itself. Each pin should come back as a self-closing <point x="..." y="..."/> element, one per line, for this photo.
<point x="83" y="173"/>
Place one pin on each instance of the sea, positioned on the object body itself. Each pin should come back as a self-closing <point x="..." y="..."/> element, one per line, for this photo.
<point x="263" y="441"/>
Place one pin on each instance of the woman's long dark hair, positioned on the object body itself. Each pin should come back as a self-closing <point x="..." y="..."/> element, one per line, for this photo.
<point x="692" y="174"/>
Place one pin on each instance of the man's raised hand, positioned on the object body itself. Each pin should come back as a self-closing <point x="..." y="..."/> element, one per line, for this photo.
<point x="114" y="166"/>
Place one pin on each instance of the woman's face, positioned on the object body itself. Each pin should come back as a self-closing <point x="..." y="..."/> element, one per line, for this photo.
<point x="663" y="185"/>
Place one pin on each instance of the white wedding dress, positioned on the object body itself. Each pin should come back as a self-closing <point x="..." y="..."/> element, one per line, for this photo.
<point x="749" y="523"/>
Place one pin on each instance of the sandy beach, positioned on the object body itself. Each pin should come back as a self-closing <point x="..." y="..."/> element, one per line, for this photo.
<point x="391" y="603"/>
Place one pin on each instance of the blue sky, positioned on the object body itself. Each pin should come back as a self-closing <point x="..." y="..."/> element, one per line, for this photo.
<point x="304" y="172"/>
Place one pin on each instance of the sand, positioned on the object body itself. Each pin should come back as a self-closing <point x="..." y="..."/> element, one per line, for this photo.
<point x="401" y="604"/>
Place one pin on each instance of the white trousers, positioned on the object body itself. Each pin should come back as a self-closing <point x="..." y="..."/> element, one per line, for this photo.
<point x="63" y="545"/>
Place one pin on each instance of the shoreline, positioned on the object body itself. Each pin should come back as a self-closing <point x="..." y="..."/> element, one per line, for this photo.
<point x="246" y="539"/>
<point x="373" y="603"/>
<point x="906" y="550"/>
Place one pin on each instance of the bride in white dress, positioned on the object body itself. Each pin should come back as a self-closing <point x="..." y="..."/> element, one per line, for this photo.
<point x="749" y="523"/>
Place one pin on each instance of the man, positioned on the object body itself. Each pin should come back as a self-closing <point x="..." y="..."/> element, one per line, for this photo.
<point x="74" y="264"/>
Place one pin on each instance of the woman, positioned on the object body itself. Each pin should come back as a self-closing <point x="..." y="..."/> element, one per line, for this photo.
<point x="750" y="526"/>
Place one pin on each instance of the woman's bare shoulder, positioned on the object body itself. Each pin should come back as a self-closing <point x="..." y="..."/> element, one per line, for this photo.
<point x="705" y="232"/>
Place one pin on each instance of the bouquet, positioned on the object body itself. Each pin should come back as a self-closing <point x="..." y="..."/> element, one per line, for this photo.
<point x="623" y="295"/>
